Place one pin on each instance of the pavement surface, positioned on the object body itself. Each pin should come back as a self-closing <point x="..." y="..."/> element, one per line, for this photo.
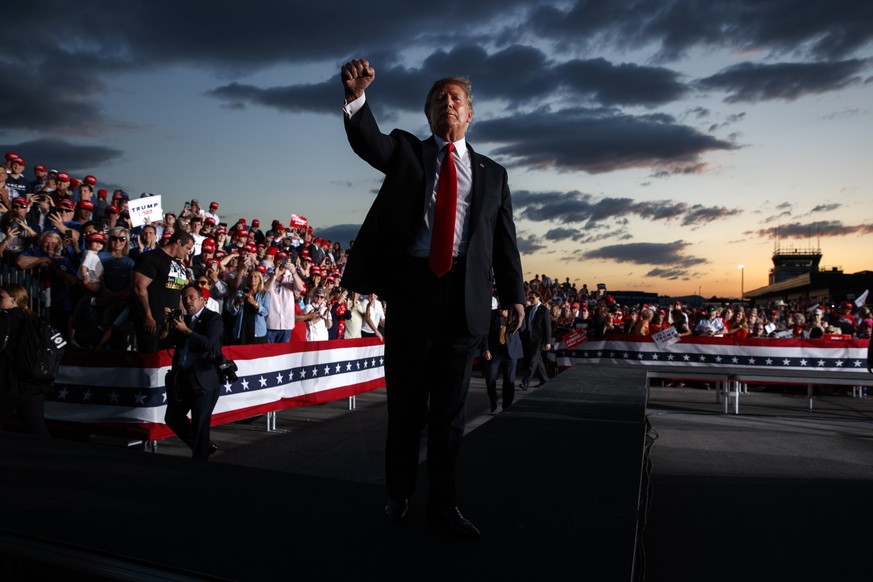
<point x="777" y="492"/>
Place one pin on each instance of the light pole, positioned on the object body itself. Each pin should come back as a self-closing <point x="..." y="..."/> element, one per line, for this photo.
<point x="742" y="269"/>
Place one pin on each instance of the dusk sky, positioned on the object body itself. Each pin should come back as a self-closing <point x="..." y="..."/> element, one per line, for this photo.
<point x="651" y="145"/>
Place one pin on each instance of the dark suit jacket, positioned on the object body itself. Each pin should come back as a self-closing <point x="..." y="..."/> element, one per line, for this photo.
<point x="512" y="349"/>
<point x="539" y="325"/>
<point x="203" y="344"/>
<point x="409" y="165"/>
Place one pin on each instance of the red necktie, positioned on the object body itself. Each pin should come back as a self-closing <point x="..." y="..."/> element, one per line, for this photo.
<point x="442" y="239"/>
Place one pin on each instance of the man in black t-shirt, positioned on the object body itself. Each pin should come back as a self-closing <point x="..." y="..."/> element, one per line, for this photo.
<point x="17" y="184"/>
<point x="158" y="279"/>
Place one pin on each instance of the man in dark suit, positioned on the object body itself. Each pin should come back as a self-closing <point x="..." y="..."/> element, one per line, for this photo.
<point x="501" y="350"/>
<point x="441" y="222"/>
<point x="538" y="338"/>
<point x="193" y="383"/>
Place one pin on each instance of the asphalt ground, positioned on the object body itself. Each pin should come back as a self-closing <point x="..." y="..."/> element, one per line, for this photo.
<point x="777" y="492"/>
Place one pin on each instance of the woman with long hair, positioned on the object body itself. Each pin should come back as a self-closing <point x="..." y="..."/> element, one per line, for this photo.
<point x="738" y="324"/>
<point x="250" y="307"/>
<point x="18" y="394"/>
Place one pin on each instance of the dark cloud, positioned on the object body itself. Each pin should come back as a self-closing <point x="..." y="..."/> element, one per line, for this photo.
<point x="530" y="243"/>
<point x="820" y="29"/>
<point x="671" y="259"/>
<point x="579" y="208"/>
<point x="752" y="82"/>
<point x="826" y="228"/>
<point x="63" y="155"/>
<point x="560" y="233"/>
<point x="62" y="65"/>
<point x="641" y="253"/>
<point x="698" y="215"/>
<point x="775" y="217"/>
<point x="535" y="79"/>
<point x="826" y="207"/>
<point x="320" y="98"/>
<point x="624" y="84"/>
<point x="669" y="274"/>
<point x="596" y="140"/>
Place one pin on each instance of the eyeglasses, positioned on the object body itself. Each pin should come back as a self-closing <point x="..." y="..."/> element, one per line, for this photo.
<point x="118" y="238"/>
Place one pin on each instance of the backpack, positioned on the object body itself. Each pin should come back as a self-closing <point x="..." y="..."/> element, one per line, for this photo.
<point x="40" y="352"/>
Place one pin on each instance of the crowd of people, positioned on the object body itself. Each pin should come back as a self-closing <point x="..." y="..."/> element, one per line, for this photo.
<point x="601" y="316"/>
<point x="110" y="281"/>
<point x="115" y="286"/>
<point x="282" y="284"/>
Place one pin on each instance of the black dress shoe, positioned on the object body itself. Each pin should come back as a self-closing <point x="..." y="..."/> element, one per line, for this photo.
<point x="213" y="448"/>
<point x="452" y="521"/>
<point x="523" y="386"/>
<point x="493" y="405"/>
<point x="397" y="510"/>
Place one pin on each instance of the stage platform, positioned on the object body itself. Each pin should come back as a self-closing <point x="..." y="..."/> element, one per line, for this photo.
<point x="554" y="483"/>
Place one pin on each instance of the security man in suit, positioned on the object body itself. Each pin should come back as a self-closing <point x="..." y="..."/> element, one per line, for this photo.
<point x="441" y="221"/>
<point x="193" y="384"/>
<point x="501" y="349"/>
<point x="538" y="338"/>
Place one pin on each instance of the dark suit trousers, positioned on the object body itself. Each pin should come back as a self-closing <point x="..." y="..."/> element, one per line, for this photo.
<point x="535" y="366"/>
<point x="194" y="432"/>
<point x="496" y="366"/>
<point x="428" y="361"/>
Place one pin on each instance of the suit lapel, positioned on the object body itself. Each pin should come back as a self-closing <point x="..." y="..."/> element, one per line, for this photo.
<point x="477" y="164"/>
<point x="428" y="161"/>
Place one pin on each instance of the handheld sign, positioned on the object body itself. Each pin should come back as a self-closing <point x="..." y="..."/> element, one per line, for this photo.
<point x="297" y="221"/>
<point x="145" y="210"/>
<point x="666" y="337"/>
<point x="574" y="338"/>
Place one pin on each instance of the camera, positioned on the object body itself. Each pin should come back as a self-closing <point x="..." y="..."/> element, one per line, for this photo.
<point x="226" y="368"/>
<point x="175" y="313"/>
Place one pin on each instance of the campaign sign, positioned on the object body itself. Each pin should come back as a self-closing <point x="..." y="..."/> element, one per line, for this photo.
<point x="665" y="337"/>
<point x="574" y="338"/>
<point x="145" y="210"/>
<point x="297" y="221"/>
